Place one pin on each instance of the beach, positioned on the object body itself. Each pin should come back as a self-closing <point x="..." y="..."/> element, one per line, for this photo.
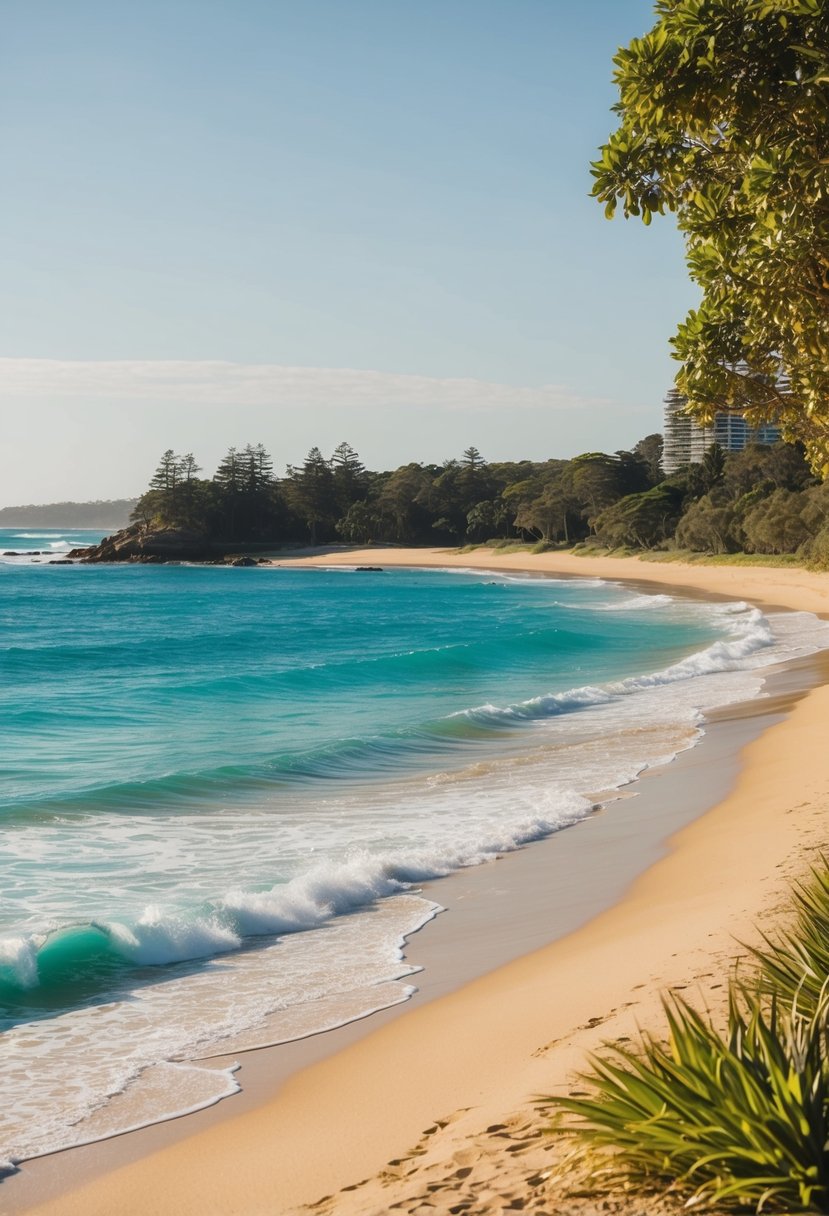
<point x="434" y="1108"/>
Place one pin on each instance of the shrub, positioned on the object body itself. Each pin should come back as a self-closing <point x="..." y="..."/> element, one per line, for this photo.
<point x="815" y="552"/>
<point x="794" y="965"/>
<point x="736" y="1119"/>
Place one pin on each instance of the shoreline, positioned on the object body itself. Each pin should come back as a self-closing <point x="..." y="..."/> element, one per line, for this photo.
<point x="306" y="1117"/>
<point x="791" y="587"/>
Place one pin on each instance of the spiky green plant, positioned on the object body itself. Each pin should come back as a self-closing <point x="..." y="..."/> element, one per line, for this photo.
<point x="734" y="1119"/>
<point x="795" y="963"/>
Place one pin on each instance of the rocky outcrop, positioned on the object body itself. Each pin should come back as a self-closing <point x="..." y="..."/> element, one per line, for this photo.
<point x="145" y="544"/>
<point x="140" y="543"/>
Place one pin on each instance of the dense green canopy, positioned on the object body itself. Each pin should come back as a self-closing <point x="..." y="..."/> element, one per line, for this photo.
<point x="724" y="109"/>
<point x="761" y="500"/>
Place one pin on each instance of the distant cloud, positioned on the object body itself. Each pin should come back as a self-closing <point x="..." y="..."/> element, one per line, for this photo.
<point x="216" y="382"/>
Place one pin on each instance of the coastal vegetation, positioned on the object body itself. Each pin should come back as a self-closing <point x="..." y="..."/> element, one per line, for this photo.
<point x="739" y="1118"/>
<point x="761" y="501"/>
<point x="722" y="111"/>
<point x="104" y="513"/>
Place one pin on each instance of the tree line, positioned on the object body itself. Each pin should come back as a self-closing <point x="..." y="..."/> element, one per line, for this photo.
<point x="761" y="500"/>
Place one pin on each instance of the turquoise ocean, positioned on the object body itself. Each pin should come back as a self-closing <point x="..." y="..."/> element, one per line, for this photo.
<point x="221" y="789"/>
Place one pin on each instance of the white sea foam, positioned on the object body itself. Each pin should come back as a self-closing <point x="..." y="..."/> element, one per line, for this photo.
<point x="18" y="960"/>
<point x="162" y="1091"/>
<point x="637" y="603"/>
<point x="142" y="1053"/>
<point x="161" y="936"/>
<point x="752" y="633"/>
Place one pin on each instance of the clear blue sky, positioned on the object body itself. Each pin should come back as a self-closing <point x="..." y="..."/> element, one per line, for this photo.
<point x="375" y="211"/>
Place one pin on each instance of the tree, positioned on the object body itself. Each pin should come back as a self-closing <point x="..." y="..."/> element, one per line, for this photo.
<point x="633" y="475"/>
<point x="776" y="525"/>
<point x="713" y="466"/>
<point x="361" y="524"/>
<point x="349" y="476"/>
<point x="781" y="466"/>
<point x="815" y="550"/>
<point x="166" y="476"/>
<point x="723" y="110"/>
<point x="472" y="469"/>
<point x="310" y="493"/>
<point x="257" y="468"/>
<point x="595" y="478"/>
<point x="230" y="474"/>
<point x="643" y="520"/>
<point x="404" y="502"/>
<point x="189" y="486"/>
<point x="649" y="450"/>
<point x="487" y="519"/>
<point x="450" y="495"/>
<point x="474" y="483"/>
<point x="248" y="495"/>
<point x="553" y="514"/>
<point x="161" y="500"/>
<point x="707" y="527"/>
<point x="187" y="468"/>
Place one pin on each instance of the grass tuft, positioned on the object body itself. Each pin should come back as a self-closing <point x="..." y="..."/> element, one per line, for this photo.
<point x="740" y="1119"/>
<point x="794" y="964"/>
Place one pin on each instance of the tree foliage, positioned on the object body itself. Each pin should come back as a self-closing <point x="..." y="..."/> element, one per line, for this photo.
<point x="761" y="500"/>
<point x="776" y="523"/>
<point x="641" y="520"/>
<point x="311" y="493"/>
<point x="723" y="109"/>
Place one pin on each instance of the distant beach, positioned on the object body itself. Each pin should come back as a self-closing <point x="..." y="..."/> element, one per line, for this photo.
<point x="464" y="1060"/>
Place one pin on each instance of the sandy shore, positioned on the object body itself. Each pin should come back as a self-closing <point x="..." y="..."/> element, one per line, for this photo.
<point x="785" y="587"/>
<point x="434" y="1111"/>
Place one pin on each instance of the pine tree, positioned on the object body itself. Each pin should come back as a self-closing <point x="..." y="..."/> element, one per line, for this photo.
<point x="161" y="500"/>
<point x="310" y="493"/>
<point x="187" y="468"/>
<point x="230" y="473"/>
<point x="473" y="461"/>
<point x="349" y="477"/>
<point x="166" y="476"/>
<point x="187" y="490"/>
<point x="264" y="466"/>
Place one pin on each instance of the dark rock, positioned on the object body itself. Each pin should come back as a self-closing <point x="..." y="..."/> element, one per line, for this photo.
<point x="372" y="569"/>
<point x="60" y="561"/>
<point x="144" y="543"/>
<point x="139" y="543"/>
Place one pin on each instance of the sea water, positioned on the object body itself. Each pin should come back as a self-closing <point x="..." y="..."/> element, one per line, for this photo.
<point x="221" y="788"/>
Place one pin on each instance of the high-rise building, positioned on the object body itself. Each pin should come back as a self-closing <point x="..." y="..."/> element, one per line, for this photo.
<point x="686" y="440"/>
